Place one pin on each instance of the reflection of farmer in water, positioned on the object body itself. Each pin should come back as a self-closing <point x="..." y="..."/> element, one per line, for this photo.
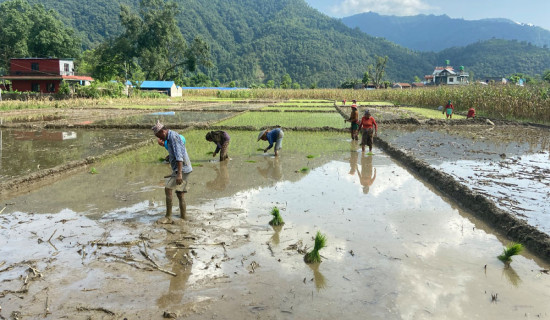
<point x="366" y="176"/>
<point x="222" y="178"/>
<point x="182" y="263"/>
<point x="353" y="156"/>
<point x="273" y="170"/>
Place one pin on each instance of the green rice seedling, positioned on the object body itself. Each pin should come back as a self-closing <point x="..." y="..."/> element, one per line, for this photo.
<point x="251" y="161"/>
<point x="197" y="164"/>
<point x="259" y="149"/>
<point x="310" y="156"/>
<point x="210" y="152"/>
<point x="304" y="170"/>
<point x="320" y="242"/>
<point x="277" y="219"/>
<point x="93" y="170"/>
<point x="511" y="250"/>
<point x="161" y="159"/>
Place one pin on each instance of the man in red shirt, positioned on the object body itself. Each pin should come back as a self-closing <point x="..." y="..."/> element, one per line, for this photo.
<point x="368" y="129"/>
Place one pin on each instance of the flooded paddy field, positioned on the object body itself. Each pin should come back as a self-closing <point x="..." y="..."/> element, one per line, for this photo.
<point x="168" y="118"/>
<point x="25" y="150"/>
<point x="508" y="164"/>
<point x="286" y="119"/>
<point x="396" y="249"/>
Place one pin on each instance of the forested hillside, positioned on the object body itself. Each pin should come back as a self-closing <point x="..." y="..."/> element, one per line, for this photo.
<point x="436" y="33"/>
<point x="254" y="41"/>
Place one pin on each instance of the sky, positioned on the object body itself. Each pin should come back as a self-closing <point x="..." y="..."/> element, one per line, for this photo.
<point x="535" y="12"/>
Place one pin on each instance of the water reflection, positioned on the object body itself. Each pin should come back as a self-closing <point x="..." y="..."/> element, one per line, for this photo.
<point x="44" y="135"/>
<point x="318" y="278"/>
<point x="353" y="157"/>
<point x="222" y="177"/>
<point x="275" y="237"/>
<point x="182" y="264"/>
<point x="272" y="170"/>
<point x="366" y="176"/>
<point x="509" y="273"/>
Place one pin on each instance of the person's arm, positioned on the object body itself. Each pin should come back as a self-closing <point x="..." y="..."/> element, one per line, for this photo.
<point x="179" y="177"/>
<point x="375" y="126"/>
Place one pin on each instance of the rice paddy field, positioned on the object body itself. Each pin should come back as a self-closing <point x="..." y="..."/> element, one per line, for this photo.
<point x="85" y="244"/>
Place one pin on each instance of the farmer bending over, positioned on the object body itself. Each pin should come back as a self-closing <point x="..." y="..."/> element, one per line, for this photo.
<point x="221" y="139"/>
<point x="273" y="136"/>
<point x="471" y="113"/>
<point x="368" y="129"/>
<point x="181" y="168"/>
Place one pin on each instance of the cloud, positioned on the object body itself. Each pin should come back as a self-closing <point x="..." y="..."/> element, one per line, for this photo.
<point x="385" y="7"/>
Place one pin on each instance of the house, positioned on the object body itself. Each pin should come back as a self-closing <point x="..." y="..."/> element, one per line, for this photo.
<point x="447" y="75"/>
<point x="417" y="84"/>
<point x="167" y="87"/>
<point x="401" y="85"/>
<point x="43" y="75"/>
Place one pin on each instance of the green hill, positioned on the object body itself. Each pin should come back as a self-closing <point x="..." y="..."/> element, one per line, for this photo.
<point x="253" y="41"/>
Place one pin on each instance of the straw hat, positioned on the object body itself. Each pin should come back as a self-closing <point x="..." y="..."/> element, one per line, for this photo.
<point x="261" y="134"/>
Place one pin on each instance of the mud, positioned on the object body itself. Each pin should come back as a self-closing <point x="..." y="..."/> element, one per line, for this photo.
<point x="395" y="248"/>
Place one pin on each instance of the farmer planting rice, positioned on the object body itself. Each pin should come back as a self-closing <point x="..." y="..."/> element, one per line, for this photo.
<point x="221" y="139"/>
<point x="164" y="143"/>
<point x="368" y="129"/>
<point x="354" y="120"/>
<point x="181" y="168"/>
<point x="273" y="136"/>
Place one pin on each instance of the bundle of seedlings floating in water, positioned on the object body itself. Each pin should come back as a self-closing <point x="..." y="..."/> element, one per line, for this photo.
<point x="277" y="219"/>
<point x="93" y="170"/>
<point x="313" y="256"/>
<point x="511" y="250"/>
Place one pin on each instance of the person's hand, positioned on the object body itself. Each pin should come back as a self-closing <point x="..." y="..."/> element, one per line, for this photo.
<point x="179" y="179"/>
<point x="213" y="155"/>
<point x="265" y="150"/>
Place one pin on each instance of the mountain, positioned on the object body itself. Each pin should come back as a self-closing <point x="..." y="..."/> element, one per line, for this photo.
<point x="436" y="33"/>
<point x="253" y="41"/>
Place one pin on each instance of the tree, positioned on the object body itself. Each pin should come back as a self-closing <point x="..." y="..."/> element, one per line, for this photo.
<point x="153" y="44"/>
<point x="417" y="79"/>
<point x="270" y="84"/>
<point x="379" y="70"/>
<point x="367" y="76"/>
<point x="32" y="31"/>
<point x="546" y="76"/>
<point x="286" y="83"/>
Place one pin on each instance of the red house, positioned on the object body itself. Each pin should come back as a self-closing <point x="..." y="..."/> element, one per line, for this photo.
<point x="42" y="74"/>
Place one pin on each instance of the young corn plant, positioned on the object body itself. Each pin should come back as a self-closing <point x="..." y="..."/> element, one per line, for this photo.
<point x="511" y="250"/>
<point x="277" y="219"/>
<point x="320" y="242"/>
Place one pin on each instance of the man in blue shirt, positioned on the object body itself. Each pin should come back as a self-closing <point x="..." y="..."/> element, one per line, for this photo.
<point x="273" y="136"/>
<point x="181" y="168"/>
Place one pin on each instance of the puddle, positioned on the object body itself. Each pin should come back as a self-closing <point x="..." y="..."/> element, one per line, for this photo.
<point x="24" y="151"/>
<point x="395" y="250"/>
<point x="510" y="165"/>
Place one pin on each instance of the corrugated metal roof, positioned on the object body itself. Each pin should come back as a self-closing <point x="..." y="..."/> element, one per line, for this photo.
<point x="156" y="84"/>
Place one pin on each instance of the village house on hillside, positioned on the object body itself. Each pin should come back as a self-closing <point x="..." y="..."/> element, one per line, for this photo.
<point x="447" y="75"/>
<point x="43" y="75"/>
<point x="400" y="85"/>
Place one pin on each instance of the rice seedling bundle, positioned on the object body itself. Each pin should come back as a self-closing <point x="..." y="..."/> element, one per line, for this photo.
<point x="320" y="242"/>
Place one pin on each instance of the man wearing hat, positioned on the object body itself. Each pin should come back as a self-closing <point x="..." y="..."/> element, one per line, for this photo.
<point x="181" y="168"/>
<point x="273" y="136"/>
<point x="354" y="120"/>
<point x="368" y="129"/>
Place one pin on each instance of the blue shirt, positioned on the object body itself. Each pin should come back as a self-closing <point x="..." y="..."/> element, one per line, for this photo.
<point x="272" y="136"/>
<point x="177" y="153"/>
<point x="166" y="141"/>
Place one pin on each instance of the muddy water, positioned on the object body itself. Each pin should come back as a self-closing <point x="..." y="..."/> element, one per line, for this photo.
<point x="24" y="151"/>
<point x="510" y="165"/>
<point x="395" y="249"/>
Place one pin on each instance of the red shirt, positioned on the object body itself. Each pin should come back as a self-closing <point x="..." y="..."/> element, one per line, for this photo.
<point x="368" y="123"/>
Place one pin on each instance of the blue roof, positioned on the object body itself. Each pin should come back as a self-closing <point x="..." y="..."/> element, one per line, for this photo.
<point x="156" y="84"/>
<point x="212" y="88"/>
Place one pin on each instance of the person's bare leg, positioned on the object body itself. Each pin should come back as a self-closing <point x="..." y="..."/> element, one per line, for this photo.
<point x="168" y="193"/>
<point x="182" y="204"/>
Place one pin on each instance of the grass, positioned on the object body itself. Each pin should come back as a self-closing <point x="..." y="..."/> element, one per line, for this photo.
<point x="313" y="256"/>
<point x="283" y="119"/>
<point x="511" y="250"/>
<point x="431" y="113"/>
<point x="277" y="219"/>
